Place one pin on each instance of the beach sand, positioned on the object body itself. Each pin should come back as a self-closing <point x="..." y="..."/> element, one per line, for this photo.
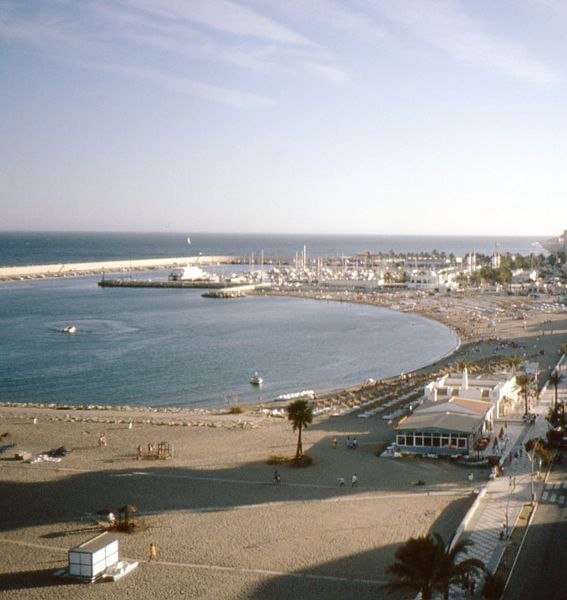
<point x="222" y="526"/>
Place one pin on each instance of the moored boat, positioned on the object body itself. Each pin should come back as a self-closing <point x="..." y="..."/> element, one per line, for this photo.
<point x="256" y="378"/>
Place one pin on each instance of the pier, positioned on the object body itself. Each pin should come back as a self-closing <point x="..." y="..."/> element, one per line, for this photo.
<point x="179" y="284"/>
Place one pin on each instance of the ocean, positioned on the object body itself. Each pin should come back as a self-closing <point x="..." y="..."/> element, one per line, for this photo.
<point x="170" y="347"/>
<point x="24" y="248"/>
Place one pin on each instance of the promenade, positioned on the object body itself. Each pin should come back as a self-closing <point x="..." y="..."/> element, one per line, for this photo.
<point x="502" y="501"/>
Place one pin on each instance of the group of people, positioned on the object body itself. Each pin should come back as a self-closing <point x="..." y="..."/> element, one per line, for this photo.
<point x="351" y="444"/>
<point x="340" y="480"/>
<point x="353" y="481"/>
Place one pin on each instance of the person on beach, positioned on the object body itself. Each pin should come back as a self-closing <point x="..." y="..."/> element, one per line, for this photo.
<point x="153" y="553"/>
<point x="341" y="481"/>
<point x="354" y="480"/>
<point x="334" y="442"/>
<point x="277" y="478"/>
<point x="139" y="453"/>
<point x="102" y="440"/>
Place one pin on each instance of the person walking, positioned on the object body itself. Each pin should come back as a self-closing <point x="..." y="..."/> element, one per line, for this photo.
<point x="354" y="480"/>
<point x="277" y="478"/>
<point x="153" y="552"/>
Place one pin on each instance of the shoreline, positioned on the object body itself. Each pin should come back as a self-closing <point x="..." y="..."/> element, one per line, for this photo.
<point x="465" y="339"/>
<point x="223" y="528"/>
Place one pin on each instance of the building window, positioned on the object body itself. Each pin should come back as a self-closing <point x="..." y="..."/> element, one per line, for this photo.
<point x="418" y="439"/>
<point x="427" y="439"/>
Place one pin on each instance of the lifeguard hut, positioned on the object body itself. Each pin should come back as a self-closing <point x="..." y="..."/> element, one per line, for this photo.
<point x="89" y="560"/>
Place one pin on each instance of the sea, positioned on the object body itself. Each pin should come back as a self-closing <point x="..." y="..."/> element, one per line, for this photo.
<point x="172" y="347"/>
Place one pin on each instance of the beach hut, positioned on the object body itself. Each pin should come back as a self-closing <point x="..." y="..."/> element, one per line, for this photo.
<point x="90" y="559"/>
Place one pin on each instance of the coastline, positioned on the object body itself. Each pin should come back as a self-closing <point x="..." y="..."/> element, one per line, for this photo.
<point x="223" y="529"/>
<point x="474" y="341"/>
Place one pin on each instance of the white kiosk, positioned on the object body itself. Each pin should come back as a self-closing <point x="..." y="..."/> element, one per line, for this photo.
<point x="90" y="559"/>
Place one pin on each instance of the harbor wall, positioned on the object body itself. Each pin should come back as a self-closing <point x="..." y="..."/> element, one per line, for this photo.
<point x="69" y="269"/>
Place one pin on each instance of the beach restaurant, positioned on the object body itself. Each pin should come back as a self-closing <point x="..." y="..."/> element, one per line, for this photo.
<point x="450" y="428"/>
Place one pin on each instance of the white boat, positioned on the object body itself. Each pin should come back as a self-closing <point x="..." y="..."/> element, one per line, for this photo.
<point x="188" y="273"/>
<point x="256" y="379"/>
<point x="69" y="329"/>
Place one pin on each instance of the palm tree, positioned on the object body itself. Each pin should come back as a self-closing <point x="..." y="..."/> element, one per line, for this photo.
<point x="555" y="379"/>
<point x="453" y="571"/>
<point x="514" y="362"/>
<point x="524" y="380"/>
<point x="423" y="564"/>
<point x="493" y="587"/>
<point x="415" y="569"/>
<point x="300" y="413"/>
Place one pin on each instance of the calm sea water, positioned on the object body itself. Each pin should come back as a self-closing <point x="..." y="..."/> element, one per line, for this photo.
<point x="175" y="348"/>
<point x="44" y="248"/>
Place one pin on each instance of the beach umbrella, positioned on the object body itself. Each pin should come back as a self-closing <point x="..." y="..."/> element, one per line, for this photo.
<point x="127" y="510"/>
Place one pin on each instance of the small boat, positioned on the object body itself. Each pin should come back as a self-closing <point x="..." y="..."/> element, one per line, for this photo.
<point x="69" y="329"/>
<point x="256" y="379"/>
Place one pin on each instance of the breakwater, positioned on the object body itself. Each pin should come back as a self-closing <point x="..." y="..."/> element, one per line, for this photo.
<point x="148" y="283"/>
<point x="89" y="268"/>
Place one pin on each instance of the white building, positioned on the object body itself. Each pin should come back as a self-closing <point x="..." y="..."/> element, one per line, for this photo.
<point x="499" y="389"/>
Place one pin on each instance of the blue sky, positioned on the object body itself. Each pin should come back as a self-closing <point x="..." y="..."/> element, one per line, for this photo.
<point x="322" y="116"/>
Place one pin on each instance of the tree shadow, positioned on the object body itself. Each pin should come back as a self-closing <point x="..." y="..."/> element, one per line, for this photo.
<point x="156" y="488"/>
<point x="359" y="576"/>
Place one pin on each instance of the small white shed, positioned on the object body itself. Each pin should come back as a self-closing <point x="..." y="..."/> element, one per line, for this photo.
<point x="91" y="558"/>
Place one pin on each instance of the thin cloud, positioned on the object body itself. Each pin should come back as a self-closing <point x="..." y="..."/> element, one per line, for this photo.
<point x="326" y="71"/>
<point x="226" y="16"/>
<point x="217" y="94"/>
<point x="166" y="42"/>
<point x="445" y="25"/>
<point x="349" y="19"/>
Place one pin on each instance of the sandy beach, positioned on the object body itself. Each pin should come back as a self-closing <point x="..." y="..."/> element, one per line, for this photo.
<point x="223" y="528"/>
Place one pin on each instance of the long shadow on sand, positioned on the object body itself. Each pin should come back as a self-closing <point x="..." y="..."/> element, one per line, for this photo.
<point x="26" y="580"/>
<point x="158" y="489"/>
<point x="355" y="576"/>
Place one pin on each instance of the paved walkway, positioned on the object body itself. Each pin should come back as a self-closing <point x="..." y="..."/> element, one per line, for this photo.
<point x="501" y="501"/>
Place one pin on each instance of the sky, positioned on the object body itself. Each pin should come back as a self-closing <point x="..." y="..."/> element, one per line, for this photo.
<point x="425" y="117"/>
